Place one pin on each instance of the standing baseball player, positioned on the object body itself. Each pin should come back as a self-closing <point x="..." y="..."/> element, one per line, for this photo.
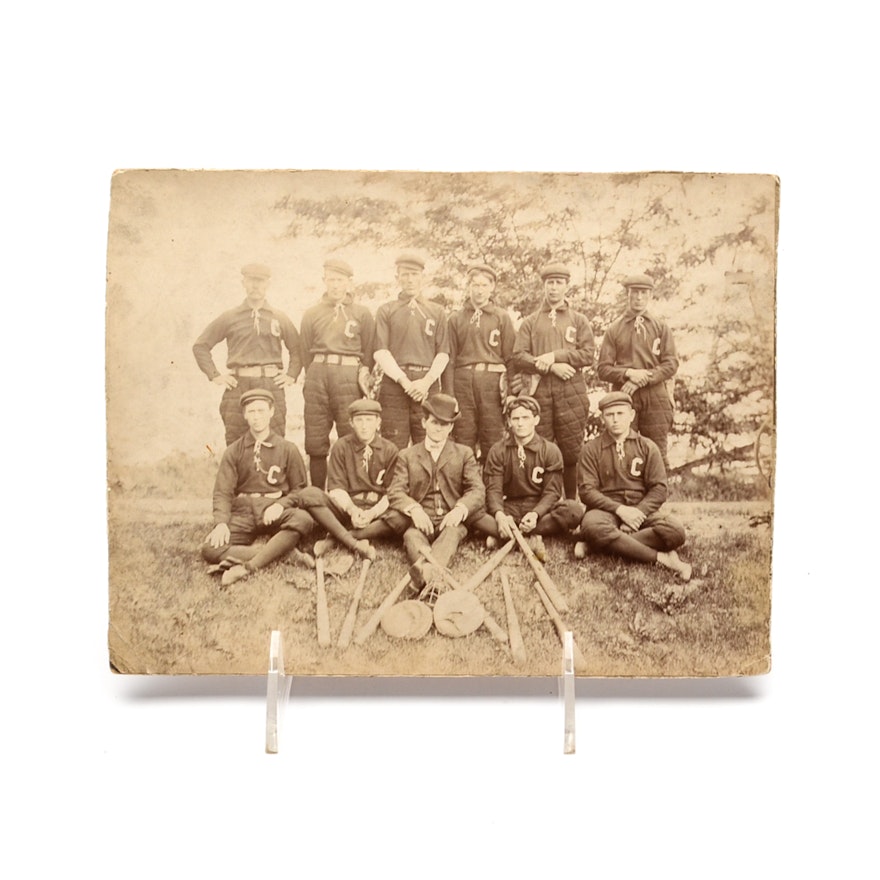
<point x="360" y="469"/>
<point x="523" y="477"/>
<point x="337" y="353"/>
<point x="436" y="490"/>
<point x="622" y="482"/>
<point x="412" y="349"/>
<point x="554" y="345"/>
<point x="254" y="332"/>
<point x="481" y="338"/>
<point x="637" y="356"/>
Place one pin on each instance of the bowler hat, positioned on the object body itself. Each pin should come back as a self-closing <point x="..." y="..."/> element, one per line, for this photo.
<point x="256" y="394"/>
<point x="615" y="397"/>
<point x="443" y="407"/>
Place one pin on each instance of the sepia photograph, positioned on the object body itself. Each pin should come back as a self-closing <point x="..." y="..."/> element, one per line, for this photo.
<point x="424" y="424"/>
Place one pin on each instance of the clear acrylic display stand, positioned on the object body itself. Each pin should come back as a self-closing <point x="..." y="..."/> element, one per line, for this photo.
<point x="278" y="692"/>
<point x="566" y="688"/>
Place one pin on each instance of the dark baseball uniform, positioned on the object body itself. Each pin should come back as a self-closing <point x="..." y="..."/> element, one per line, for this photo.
<point x="564" y="405"/>
<point x="361" y="470"/>
<point x="336" y="338"/>
<point x="480" y="345"/>
<point x="632" y="475"/>
<point x="527" y="479"/>
<point x="251" y="478"/>
<point x="415" y="332"/>
<point x="254" y="339"/>
<point x="642" y="343"/>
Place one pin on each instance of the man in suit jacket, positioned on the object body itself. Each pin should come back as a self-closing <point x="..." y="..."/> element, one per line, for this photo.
<point x="436" y="490"/>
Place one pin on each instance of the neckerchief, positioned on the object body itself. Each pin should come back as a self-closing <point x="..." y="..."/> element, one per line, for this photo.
<point x="258" y="465"/>
<point x="413" y="305"/>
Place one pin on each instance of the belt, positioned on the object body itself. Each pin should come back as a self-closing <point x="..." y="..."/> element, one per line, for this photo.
<point x="260" y="494"/>
<point x="257" y="371"/>
<point x="489" y="368"/>
<point x="346" y="360"/>
<point x="417" y="367"/>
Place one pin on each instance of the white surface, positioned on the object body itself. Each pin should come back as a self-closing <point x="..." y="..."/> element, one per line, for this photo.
<point x="135" y="778"/>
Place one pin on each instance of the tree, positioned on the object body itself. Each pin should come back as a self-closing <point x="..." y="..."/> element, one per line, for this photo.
<point x="685" y="231"/>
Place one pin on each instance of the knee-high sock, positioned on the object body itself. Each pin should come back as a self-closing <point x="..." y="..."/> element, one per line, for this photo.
<point x="318" y="471"/>
<point x="570" y="480"/>
<point x="649" y="538"/>
<point x="280" y="544"/>
<point x="325" y="518"/>
<point x="376" y="529"/>
<point x="631" y="548"/>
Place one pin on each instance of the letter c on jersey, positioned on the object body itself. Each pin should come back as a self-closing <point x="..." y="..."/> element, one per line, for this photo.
<point x="272" y="474"/>
<point x="350" y="327"/>
<point x="570" y="334"/>
<point x="537" y="475"/>
<point x="380" y="476"/>
<point x="430" y="324"/>
<point x="635" y="467"/>
<point x="494" y="337"/>
<point x="655" y="348"/>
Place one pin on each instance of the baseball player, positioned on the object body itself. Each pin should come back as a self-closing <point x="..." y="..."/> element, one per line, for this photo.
<point x="412" y="350"/>
<point x="436" y="490"/>
<point x="481" y="338"/>
<point x="255" y="493"/>
<point x="523" y="477"/>
<point x="260" y="489"/>
<point x="254" y="332"/>
<point x="554" y="345"/>
<point x="360" y="469"/>
<point x="638" y="356"/>
<point x="622" y="482"/>
<point x="337" y="353"/>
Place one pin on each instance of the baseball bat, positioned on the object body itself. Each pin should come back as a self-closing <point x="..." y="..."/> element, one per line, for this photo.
<point x="546" y="581"/>
<point x="518" y="649"/>
<point x="322" y="614"/>
<point x="348" y="623"/>
<point x="370" y="626"/>
<point x="488" y="567"/>
<point x="445" y="573"/>
<point x="579" y="662"/>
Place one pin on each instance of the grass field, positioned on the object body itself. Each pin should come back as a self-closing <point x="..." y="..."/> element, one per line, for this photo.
<point x="169" y="616"/>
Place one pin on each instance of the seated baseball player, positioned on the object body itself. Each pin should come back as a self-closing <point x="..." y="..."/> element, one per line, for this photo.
<point x="523" y="477"/>
<point x="622" y="482"/>
<point x="436" y="490"/>
<point x="260" y="490"/>
<point x="359" y="471"/>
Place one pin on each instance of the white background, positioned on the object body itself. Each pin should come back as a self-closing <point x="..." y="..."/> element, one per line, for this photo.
<point x="120" y="777"/>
